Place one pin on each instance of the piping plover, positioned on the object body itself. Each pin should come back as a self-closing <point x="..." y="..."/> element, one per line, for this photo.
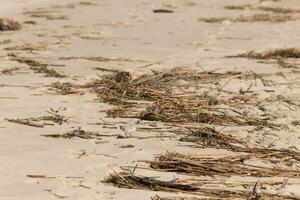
<point x="129" y="127"/>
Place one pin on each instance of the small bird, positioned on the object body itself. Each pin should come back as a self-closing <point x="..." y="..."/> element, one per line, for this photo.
<point x="129" y="127"/>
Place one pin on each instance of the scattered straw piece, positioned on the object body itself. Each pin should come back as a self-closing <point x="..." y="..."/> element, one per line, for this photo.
<point x="252" y="18"/>
<point x="28" y="47"/>
<point x="279" y="10"/>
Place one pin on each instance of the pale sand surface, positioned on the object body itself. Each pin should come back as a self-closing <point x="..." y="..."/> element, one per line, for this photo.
<point x="119" y="28"/>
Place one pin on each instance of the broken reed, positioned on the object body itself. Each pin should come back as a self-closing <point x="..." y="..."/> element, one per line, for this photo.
<point x="131" y="181"/>
<point x="199" y="165"/>
<point x="120" y="86"/>
<point x="133" y="96"/>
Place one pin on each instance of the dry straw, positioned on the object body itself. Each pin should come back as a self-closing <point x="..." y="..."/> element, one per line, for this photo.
<point x="131" y="181"/>
<point x="7" y="24"/>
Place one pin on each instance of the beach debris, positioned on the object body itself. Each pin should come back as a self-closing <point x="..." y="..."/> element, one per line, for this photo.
<point x="29" y="47"/>
<point x="181" y="112"/>
<point x="279" y="10"/>
<point x="96" y="58"/>
<point x="45" y="13"/>
<point x="39" y="176"/>
<point x="7" y="24"/>
<point x="271" y="54"/>
<point x="252" y="197"/>
<point x="87" y="3"/>
<point x="285" y="64"/>
<point x="77" y="133"/>
<point x="126" y="146"/>
<point x="205" y="165"/>
<point x="51" y="119"/>
<point x="9" y="71"/>
<point x="131" y="181"/>
<point x="206" y="137"/>
<point x="296" y="123"/>
<point x="31" y="22"/>
<point x="4" y="42"/>
<point x="162" y="11"/>
<point x="36" y="66"/>
<point x="65" y="88"/>
<point x="252" y="18"/>
<point x="55" y="194"/>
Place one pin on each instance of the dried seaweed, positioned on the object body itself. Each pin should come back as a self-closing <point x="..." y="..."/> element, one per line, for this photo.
<point x="49" y="120"/>
<point x="7" y="24"/>
<point x="252" y="18"/>
<point x="131" y="181"/>
<point x="211" y="166"/>
<point x="271" y="54"/>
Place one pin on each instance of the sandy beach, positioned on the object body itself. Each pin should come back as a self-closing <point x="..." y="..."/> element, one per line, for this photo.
<point x="206" y="79"/>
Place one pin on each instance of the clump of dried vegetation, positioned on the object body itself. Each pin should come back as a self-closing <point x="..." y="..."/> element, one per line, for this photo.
<point x="51" y="119"/>
<point x="272" y="54"/>
<point x="203" y="165"/>
<point x="252" y="18"/>
<point x="160" y="97"/>
<point x="179" y="111"/>
<point x="209" y="137"/>
<point x="121" y="86"/>
<point x="7" y="24"/>
<point x="131" y="181"/>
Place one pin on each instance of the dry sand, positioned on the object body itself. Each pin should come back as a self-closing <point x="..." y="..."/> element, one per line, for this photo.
<point x="154" y="41"/>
